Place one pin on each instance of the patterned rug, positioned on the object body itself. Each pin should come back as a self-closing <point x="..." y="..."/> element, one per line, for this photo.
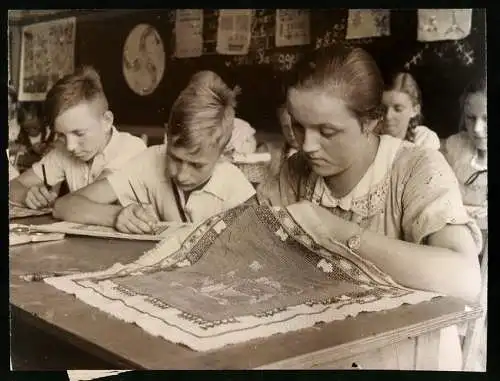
<point x="248" y="273"/>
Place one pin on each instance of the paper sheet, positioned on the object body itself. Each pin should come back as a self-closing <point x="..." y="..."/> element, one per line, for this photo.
<point x="21" y="234"/>
<point x="165" y="229"/>
<point x="47" y="54"/>
<point x="292" y="27"/>
<point x="443" y="24"/>
<point x="188" y="33"/>
<point x="234" y="31"/>
<point x="81" y="375"/>
<point x="367" y="23"/>
<point x="20" y="211"/>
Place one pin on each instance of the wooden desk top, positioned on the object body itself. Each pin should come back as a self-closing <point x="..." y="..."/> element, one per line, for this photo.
<point x="128" y="346"/>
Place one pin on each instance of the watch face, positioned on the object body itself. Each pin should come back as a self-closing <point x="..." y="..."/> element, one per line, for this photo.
<point x="354" y="242"/>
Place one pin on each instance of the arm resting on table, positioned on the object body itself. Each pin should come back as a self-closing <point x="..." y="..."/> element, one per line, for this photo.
<point x="91" y="205"/>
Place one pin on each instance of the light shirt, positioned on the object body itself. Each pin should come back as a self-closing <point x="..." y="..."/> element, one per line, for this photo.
<point x="425" y="137"/>
<point x="227" y="188"/>
<point x="61" y="165"/>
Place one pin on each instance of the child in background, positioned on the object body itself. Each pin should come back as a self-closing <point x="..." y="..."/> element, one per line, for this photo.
<point x="89" y="147"/>
<point x="467" y="151"/>
<point x="402" y="100"/>
<point x="184" y="180"/>
<point x="243" y="134"/>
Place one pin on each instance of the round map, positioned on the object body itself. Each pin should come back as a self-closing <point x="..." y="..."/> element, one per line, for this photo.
<point x="143" y="59"/>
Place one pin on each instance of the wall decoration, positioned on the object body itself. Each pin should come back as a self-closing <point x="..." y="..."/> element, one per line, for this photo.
<point x="47" y="54"/>
<point x="366" y="23"/>
<point x="188" y="33"/>
<point x="293" y="27"/>
<point x="234" y="31"/>
<point x="443" y="24"/>
<point x="143" y="59"/>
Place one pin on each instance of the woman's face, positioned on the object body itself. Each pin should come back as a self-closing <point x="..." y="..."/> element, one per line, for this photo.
<point x="476" y="119"/>
<point x="326" y="131"/>
<point x="399" y="111"/>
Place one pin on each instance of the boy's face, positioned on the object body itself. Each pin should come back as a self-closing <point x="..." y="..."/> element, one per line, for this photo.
<point x="190" y="170"/>
<point x="84" y="130"/>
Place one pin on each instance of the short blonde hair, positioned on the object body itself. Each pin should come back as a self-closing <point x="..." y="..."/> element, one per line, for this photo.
<point x="203" y="114"/>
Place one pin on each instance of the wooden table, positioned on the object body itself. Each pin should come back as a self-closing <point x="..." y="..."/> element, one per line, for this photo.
<point x="403" y="338"/>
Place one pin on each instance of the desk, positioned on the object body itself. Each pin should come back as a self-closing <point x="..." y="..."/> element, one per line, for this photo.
<point x="370" y="340"/>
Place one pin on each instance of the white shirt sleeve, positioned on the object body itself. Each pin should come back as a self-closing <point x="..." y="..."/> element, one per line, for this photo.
<point x="425" y="137"/>
<point x="55" y="162"/>
<point x="138" y="173"/>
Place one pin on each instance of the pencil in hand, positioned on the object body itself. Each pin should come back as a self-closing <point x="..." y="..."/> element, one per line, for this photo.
<point x="135" y="194"/>
<point x="45" y="182"/>
<point x="153" y="226"/>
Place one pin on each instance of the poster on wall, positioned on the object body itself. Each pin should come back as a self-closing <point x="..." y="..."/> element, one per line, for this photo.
<point x="443" y="24"/>
<point x="188" y="33"/>
<point x="368" y="23"/>
<point x="234" y="31"/>
<point x="143" y="59"/>
<point x="47" y="54"/>
<point x="292" y="27"/>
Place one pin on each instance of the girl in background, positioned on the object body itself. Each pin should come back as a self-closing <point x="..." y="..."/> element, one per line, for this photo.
<point x="402" y="100"/>
<point x="466" y="151"/>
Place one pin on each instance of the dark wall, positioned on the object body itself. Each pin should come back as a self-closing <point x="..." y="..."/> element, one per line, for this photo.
<point x="441" y="72"/>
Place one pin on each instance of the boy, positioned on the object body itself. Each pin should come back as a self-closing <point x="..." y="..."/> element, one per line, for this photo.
<point x="184" y="180"/>
<point x="88" y="147"/>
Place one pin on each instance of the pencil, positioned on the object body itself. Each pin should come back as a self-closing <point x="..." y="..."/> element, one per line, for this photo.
<point x="45" y="182"/>
<point x="135" y="194"/>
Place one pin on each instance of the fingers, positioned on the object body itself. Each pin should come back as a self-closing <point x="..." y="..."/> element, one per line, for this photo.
<point x="39" y="197"/>
<point x="136" y="220"/>
<point x="50" y="196"/>
<point x="146" y="214"/>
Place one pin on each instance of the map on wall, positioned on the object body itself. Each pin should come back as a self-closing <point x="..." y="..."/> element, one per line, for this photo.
<point x="143" y="59"/>
<point x="47" y="54"/>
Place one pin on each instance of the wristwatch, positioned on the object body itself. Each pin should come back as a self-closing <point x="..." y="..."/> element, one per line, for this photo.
<point x="354" y="242"/>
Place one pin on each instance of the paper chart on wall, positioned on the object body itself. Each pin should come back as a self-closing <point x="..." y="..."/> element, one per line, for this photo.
<point x="443" y="24"/>
<point x="188" y="33"/>
<point x="234" y="31"/>
<point x="368" y="23"/>
<point x="47" y="54"/>
<point x="293" y="27"/>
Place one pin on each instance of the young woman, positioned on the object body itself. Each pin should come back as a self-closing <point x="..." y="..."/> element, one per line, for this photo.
<point x="403" y="118"/>
<point x="466" y="151"/>
<point x="394" y="203"/>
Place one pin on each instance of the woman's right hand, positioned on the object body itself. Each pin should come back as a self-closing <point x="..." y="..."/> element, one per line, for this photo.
<point x="137" y="219"/>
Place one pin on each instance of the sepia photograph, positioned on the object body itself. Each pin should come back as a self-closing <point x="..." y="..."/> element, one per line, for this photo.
<point x="219" y="189"/>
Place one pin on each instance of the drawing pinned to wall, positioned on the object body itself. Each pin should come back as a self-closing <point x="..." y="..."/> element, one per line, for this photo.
<point x="293" y="27"/>
<point x="332" y="36"/>
<point x="366" y="23"/>
<point x="143" y="59"/>
<point x="234" y="31"/>
<point x="189" y="33"/>
<point x="47" y="54"/>
<point x="443" y="24"/>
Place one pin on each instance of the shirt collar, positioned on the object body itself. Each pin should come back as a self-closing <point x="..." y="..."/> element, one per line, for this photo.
<point x="216" y="186"/>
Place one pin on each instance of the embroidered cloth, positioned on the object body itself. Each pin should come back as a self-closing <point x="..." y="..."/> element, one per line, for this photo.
<point x="247" y="273"/>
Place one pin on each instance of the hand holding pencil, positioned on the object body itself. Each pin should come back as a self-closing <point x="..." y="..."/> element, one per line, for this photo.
<point x="139" y="218"/>
<point x="40" y="196"/>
